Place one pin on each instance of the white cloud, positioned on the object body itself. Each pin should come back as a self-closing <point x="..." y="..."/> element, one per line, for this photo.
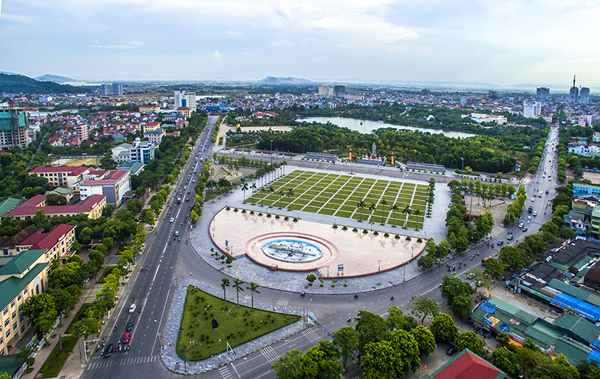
<point x="121" y="46"/>
<point x="216" y="56"/>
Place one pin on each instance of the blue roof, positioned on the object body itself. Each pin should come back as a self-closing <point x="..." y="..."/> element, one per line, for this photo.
<point x="587" y="310"/>
<point x="594" y="356"/>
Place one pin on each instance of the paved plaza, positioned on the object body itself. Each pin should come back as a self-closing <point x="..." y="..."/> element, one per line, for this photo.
<point x="357" y="253"/>
<point x="381" y="201"/>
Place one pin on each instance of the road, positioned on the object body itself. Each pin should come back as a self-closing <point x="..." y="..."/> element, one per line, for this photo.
<point x="153" y="287"/>
<point x="153" y="290"/>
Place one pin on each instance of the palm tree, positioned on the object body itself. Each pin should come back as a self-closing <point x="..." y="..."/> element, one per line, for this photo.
<point x="394" y="209"/>
<point x="289" y="194"/>
<point x="360" y="205"/>
<point x="237" y="284"/>
<point x="254" y="187"/>
<point x="372" y="208"/>
<point x="271" y="190"/>
<point x="407" y="211"/>
<point x="281" y="194"/>
<point x="383" y="203"/>
<point x="253" y="288"/>
<point x="244" y="189"/>
<point x="417" y="213"/>
<point x="224" y="284"/>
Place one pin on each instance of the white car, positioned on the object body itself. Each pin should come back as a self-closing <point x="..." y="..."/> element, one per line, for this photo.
<point x="521" y="225"/>
<point x="132" y="308"/>
<point x="171" y="219"/>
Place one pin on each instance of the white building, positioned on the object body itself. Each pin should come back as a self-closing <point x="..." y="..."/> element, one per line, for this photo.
<point x="155" y="136"/>
<point x="579" y="150"/>
<point x="142" y="151"/>
<point x="185" y="100"/>
<point x="532" y="109"/>
<point x="113" y="184"/>
<point x="121" y="153"/>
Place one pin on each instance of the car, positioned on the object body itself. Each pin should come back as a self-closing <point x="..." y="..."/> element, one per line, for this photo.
<point x="132" y="308"/>
<point x="521" y="225"/>
<point x="524" y="229"/>
<point x="127" y="338"/>
<point x="189" y="192"/>
<point x="188" y="199"/>
<point x="451" y="350"/>
<point x="171" y="219"/>
<point x="534" y="214"/>
<point x="108" y="350"/>
<point x="533" y="199"/>
<point x="500" y="243"/>
<point x="129" y="325"/>
<point x="547" y="192"/>
<point x="510" y="236"/>
<point x="176" y="233"/>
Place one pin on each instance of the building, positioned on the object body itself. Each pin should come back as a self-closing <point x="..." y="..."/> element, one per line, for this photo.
<point x="155" y="136"/>
<point x="134" y="168"/>
<point x="482" y="117"/>
<point x="185" y="100"/>
<point x="585" y="189"/>
<point x="150" y="126"/>
<point x="532" y="109"/>
<point x="8" y="245"/>
<point x="24" y="276"/>
<point x="149" y="108"/>
<point x="56" y="244"/>
<point x="91" y="206"/>
<point x="112" y="184"/>
<point x="13" y="128"/>
<point x="82" y="132"/>
<point x="142" y="151"/>
<point x="467" y="364"/>
<point x="584" y="95"/>
<point x="574" y="93"/>
<point x="542" y="94"/>
<point x="339" y="91"/>
<point x="326" y="91"/>
<point x="8" y="205"/>
<point x="120" y="153"/>
<point x="109" y="89"/>
<point x="185" y="111"/>
<point x="61" y="176"/>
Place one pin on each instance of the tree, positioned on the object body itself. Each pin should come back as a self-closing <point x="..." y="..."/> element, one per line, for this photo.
<point x="424" y="339"/>
<point x="443" y="328"/>
<point x="244" y="189"/>
<point x="395" y="318"/>
<point x="379" y="361"/>
<point x="290" y="365"/>
<point x="372" y="328"/>
<point x="417" y="213"/>
<point x="462" y="306"/>
<point x="505" y="360"/>
<point x="406" y="211"/>
<point x="324" y="357"/>
<point x="478" y="278"/>
<point x="394" y="208"/>
<point x="253" y="289"/>
<point x="289" y="195"/>
<point x="346" y="339"/>
<point x="41" y="310"/>
<point x="148" y="216"/>
<point x="383" y="204"/>
<point x="495" y="267"/>
<point x="224" y="284"/>
<point x="237" y="284"/>
<point x="360" y="205"/>
<point x="470" y="340"/>
<point x="423" y="306"/>
<point x="406" y="348"/>
<point x="453" y="288"/>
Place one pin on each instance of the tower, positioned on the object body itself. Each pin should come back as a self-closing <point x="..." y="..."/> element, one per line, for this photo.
<point x="573" y="93"/>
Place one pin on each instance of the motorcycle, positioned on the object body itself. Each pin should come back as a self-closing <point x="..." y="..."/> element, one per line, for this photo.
<point x="302" y="294"/>
<point x="115" y="328"/>
<point x="356" y="296"/>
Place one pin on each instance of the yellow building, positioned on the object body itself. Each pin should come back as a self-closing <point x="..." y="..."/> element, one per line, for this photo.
<point x="92" y="207"/>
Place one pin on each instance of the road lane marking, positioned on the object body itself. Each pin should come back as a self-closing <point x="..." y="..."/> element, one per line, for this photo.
<point x="270" y="354"/>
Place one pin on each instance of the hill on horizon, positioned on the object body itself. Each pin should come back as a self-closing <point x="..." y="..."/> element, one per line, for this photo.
<point x="24" y="84"/>
<point x="280" y="80"/>
<point x="55" y="78"/>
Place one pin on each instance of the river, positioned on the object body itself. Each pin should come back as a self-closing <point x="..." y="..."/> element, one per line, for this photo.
<point x="365" y="126"/>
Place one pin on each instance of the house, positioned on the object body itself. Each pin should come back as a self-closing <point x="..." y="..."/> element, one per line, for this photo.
<point x="8" y="245"/>
<point x="61" y="176"/>
<point x="142" y="151"/>
<point x="67" y="193"/>
<point x="24" y="276"/>
<point x="149" y="126"/>
<point x="120" y="153"/>
<point x="57" y="243"/>
<point x="149" y="108"/>
<point x="8" y="205"/>
<point x="134" y="168"/>
<point x="185" y="111"/>
<point x="112" y="184"/>
<point x="467" y="364"/>
<point x="155" y="136"/>
<point x="91" y="206"/>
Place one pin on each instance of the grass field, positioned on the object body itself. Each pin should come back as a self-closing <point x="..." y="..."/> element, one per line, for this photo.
<point x="339" y="195"/>
<point x="237" y="325"/>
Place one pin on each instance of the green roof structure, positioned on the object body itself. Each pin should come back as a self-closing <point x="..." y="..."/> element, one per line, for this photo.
<point x="8" y="205"/>
<point x="21" y="262"/>
<point x="579" y="293"/>
<point x="11" y="287"/>
<point x="10" y="364"/>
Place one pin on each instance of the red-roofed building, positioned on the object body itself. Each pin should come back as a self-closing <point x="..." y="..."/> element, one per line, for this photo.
<point x="92" y="207"/>
<point x="57" y="242"/>
<point x="114" y="185"/>
<point x="467" y="365"/>
<point x="61" y="176"/>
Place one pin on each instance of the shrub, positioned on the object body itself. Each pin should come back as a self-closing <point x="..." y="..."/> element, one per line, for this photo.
<point x="408" y="238"/>
<point x="419" y="240"/>
<point x="376" y="233"/>
<point x="228" y="208"/>
<point x="386" y="235"/>
<point x="268" y="215"/>
<point x="251" y="212"/>
<point x="243" y="211"/>
<point x="277" y="217"/>
<point x="335" y="226"/>
<point x="365" y="231"/>
<point x="344" y="227"/>
<point x="295" y="219"/>
<point x="235" y="209"/>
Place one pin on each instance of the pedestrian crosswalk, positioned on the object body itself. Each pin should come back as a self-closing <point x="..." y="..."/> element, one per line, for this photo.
<point x="108" y="362"/>
<point x="311" y="335"/>
<point x="224" y="371"/>
<point x="270" y="354"/>
<point x="284" y="300"/>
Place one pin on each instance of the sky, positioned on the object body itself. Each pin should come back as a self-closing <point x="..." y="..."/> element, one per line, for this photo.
<point x="506" y="42"/>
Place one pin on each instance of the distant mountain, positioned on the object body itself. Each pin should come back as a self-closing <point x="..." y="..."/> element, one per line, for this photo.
<point x="24" y="84"/>
<point x="55" y="79"/>
<point x="276" y="80"/>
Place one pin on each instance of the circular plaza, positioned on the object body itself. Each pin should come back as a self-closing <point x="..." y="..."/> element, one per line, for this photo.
<point x="282" y="244"/>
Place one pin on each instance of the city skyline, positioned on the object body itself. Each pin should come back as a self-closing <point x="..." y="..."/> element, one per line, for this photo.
<point x="508" y="43"/>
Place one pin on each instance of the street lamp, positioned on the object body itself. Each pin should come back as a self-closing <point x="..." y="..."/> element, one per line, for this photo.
<point x="413" y="252"/>
<point x="183" y="339"/>
<point x="271" y="152"/>
<point x="328" y="271"/>
<point x="379" y="260"/>
<point x="463" y="167"/>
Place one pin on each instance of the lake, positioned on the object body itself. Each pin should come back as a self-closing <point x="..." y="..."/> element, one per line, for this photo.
<point x="368" y="126"/>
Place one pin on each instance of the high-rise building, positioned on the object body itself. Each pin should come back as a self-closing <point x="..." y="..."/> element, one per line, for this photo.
<point x="185" y="100"/>
<point x="326" y="91"/>
<point x="573" y="93"/>
<point x="82" y="132"/>
<point x="13" y="128"/>
<point x="117" y="89"/>
<point x="584" y="95"/>
<point x="109" y="89"/>
<point x="192" y="101"/>
<point x="339" y="90"/>
<point x="542" y="93"/>
<point x="532" y="109"/>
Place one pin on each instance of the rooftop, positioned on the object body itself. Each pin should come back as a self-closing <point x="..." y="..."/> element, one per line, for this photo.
<point x="8" y="205"/>
<point x="21" y="263"/>
<point x="467" y="365"/>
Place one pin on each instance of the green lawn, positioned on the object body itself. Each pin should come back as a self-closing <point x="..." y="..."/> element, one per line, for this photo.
<point x="237" y="325"/>
<point x="57" y="358"/>
<point x="106" y="272"/>
<point x="338" y="195"/>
